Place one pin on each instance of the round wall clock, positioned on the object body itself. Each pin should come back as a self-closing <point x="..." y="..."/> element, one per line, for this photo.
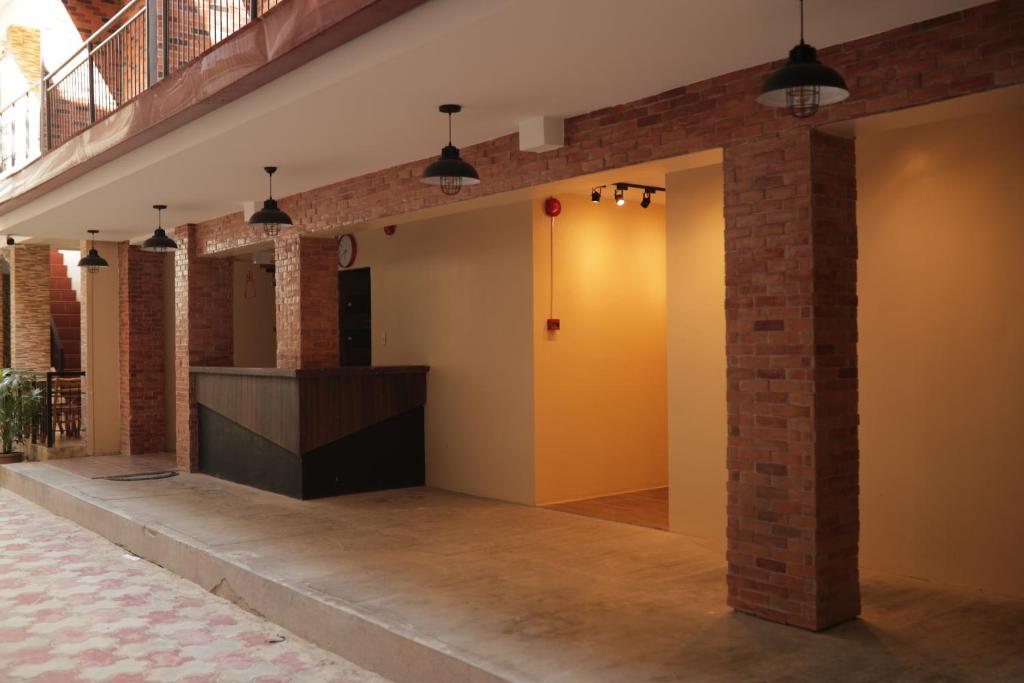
<point x="346" y="250"/>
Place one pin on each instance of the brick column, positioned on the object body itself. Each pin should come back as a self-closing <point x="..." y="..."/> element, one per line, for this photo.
<point x="141" y="344"/>
<point x="203" y="331"/>
<point x="30" y="306"/>
<point x="791" y="328"/>
<point x="306" y="272"/>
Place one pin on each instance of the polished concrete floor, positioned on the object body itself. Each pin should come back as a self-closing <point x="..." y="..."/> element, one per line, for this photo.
<point x="515" y="593"/>
<point x="647" y="508"/>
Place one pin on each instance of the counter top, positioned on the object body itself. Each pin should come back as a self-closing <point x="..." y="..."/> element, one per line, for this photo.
<point x="311" y="372"/>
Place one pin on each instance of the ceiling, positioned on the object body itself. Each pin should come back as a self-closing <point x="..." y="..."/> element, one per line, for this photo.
<point x="371" y="103"/>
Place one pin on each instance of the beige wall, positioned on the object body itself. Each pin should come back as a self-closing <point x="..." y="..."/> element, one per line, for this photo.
<point x="170" y="398"/>
<point x="696" y="353"/>
<point x="942" y="351"/>
<point x="455" y="293"/>
<point x="254" y="318"/>
<point x="599" y="382"/>
<point x="101" y="359"/>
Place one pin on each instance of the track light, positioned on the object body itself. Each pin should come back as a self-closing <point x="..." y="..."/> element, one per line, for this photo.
<point x="10" y="241"/>
<point x="646" y="201"/>
<point x="595" y="194"/>
<point x="620" y="198"/>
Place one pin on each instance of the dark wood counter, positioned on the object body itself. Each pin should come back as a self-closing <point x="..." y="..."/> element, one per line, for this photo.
<point x="310" y="433"/>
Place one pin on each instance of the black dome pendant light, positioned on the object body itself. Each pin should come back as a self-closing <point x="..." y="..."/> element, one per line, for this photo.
<point x="450" y="172"/>
<point x="804" y="83"/>
<point x="270" y="217"/>
<point x="159" y="243"/>
<point x="93" y="261"/>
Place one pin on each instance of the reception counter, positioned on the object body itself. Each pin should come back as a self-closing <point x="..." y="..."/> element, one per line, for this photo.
<point x="312" y="433"/>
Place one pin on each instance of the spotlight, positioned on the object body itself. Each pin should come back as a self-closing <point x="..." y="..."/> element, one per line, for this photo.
<point x="646" y="201"/>
<point x="595" y="195"/>
<point x="10" y="241"/>
<point x="620" y="199"/>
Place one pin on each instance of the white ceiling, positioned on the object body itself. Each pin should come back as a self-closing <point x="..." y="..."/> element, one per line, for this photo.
<point x="372" y="103"/>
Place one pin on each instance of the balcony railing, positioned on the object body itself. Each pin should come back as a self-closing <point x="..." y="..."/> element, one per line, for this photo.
<point x="145" y="41"/>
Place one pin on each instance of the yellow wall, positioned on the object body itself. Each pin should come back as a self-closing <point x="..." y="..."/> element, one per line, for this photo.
<point x="254" y="318"/>
<point x="455" y="293"/>
<point x="696" y="353"/>
<point x="599" y="383"/>
<point x="942" y="351"/>
<point x="101" y="361"/>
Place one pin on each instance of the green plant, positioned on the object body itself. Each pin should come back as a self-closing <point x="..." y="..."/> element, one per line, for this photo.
<point x="20" y="406"/>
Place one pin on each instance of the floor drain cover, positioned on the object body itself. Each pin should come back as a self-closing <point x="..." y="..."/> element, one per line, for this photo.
<point x="142" y="476"/>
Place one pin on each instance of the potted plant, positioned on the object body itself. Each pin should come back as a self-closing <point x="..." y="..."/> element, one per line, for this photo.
<point x="20" y="406"/>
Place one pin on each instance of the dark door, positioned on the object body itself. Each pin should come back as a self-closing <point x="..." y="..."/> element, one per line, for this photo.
<point x="354" y="316"/>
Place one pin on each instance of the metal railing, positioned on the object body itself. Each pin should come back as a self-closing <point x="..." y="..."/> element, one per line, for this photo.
<point x="62" y="407"/>
<point x="146" y="40"/>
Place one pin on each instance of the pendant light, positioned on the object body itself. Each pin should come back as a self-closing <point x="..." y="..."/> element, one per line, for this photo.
<point x="270" y="217"/>
<point x="159" y="243"/>
<point x="804" y="83"/>
<point x="93" y="261"/>
<point x="450" y="172"/>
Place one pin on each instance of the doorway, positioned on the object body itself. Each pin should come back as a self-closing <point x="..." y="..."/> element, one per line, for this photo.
<point x="354" y="317"/>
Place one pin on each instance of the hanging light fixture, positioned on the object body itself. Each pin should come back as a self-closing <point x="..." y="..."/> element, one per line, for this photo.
<point x="270" y="217"/>
<point x="93" y="261"/>
<point x="159" y="243"/>
<point x="595" y="194"/>
<point x="804" y="83"/>
<point x="450" y="172"/>
<point x="646" y="201"/>
<point x="620" y="194"/>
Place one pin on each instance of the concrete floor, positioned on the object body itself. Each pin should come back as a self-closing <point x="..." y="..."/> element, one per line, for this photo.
<point x="423" y="585"/>
<point x="644" y="508"/>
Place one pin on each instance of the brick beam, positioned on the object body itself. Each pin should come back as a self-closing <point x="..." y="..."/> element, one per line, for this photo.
<point x="30" y="306"/>
<point x="306" y="273"/>
<point x="203" y="334"/>
<point x="791" y="328"/>
<point x="141" y="345"/>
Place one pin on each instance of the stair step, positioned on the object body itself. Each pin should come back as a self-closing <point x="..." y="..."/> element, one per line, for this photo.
<point x="56" y="258"/>
<point x="60" y="283"/>
<point x="66" y="320"/>
<point x="69" y="334"/>
<point x="62" y="295"/>
<point x="58" y="270"/>
<point x="65" y="308"/>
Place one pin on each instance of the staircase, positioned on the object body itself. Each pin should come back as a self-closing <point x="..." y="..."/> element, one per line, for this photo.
<point x="66" y="311"/>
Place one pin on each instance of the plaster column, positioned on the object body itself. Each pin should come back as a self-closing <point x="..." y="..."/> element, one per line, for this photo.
<point x="100" y="355"/>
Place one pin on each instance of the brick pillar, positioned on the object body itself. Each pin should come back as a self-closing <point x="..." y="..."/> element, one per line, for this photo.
<point x="30" y="307"/>
<point x="306" y="273"/>
<point x="141" y="344"/>
<point x="791" y="328"/>
<point x="203" y="331"/>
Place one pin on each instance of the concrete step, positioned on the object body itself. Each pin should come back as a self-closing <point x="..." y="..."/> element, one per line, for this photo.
<point x="389" y="646"/>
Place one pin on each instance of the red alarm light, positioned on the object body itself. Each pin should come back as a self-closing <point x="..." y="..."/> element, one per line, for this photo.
<point x="552" y="207"/>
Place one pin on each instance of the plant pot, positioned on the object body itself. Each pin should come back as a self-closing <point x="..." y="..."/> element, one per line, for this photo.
<point x="6" y="458"/>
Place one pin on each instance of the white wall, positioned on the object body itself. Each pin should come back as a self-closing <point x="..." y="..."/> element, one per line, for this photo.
<point x="697" y="430"/>
<point x="455" y="293"/>
<point x="941" y="351"/>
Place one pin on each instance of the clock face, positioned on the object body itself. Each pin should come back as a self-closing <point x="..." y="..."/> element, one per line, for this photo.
<point x="346" y="251"/>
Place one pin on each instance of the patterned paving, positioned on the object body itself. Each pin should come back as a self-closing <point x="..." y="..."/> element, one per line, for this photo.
<point x="74" y="607"/>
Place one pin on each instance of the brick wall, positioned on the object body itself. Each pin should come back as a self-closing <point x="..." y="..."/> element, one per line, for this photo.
<point x="791" y="255"/>
<point x="306" y="272"/>
<point x="141" y="344"/>
<point x="203" y="331"/>
<point x="30" y="306"/>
